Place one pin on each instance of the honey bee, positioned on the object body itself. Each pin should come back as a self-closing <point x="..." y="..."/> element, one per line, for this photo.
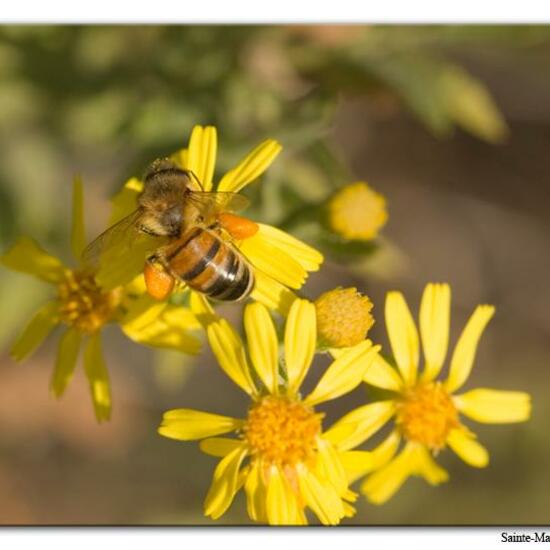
<point x="191" y="233"/>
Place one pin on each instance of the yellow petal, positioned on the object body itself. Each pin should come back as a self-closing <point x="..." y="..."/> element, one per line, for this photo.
<point x="219" y="446"/>
<point x="224" y="484"/>
<point x="161" y="325"/>
<point x="201" y="154"/>
<point x="252" y="166"/>
<point x="78" y="232"/>
<point x="262" y="344"/>
<point x="467" y="448"/>
<point x="331" y="466"/>
<point x="435" y="311"/>
<point x="36" y="331"/>
<point x="65" y="363"/>
<point x="228" y="348"/>
<point x="403" y="336"/>
<point x="357" y="426"/>
<point x="426" y="466"/>
<point x="309" y="258"/>
<point x="344" y="374"/>
<point x="322" y="498"/>
<point x="386" y="450"/>
<point x="98" y="378"/>
<point x="494" y="406"/>
<point x="300" y="342"/>
<point x="384" y="483"/>
<point x="187" y="424"/>
<point x="201" y="308"/>
<point x="256" y="493"/>
<point x="356" y="464"/>
<point x="465" y="351"/>
<point x="382" y="375"/>
<point x="273" y="261"/>
<point x="279" y="499"/>
<point x="125" y="201"/>
<point x="26" y="256"/>
<point x="272" y="294"/>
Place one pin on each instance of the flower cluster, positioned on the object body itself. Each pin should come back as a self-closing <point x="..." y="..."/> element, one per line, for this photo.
<point x="292" y="466"/>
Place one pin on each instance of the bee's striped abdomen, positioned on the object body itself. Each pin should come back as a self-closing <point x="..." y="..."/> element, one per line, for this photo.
<point x="209" y="265"/>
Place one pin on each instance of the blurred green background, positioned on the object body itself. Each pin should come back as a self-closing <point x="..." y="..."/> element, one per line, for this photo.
<point x="450" y="123"/>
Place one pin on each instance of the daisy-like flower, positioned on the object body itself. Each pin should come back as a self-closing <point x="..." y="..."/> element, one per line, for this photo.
<point x="357" y="212"/>
<point x="84" y="307"/>
<point x="279" y="453"/>
<point x="343" y="317"/>
<point x="426" y="411"/>
<point x="280" y="261"/>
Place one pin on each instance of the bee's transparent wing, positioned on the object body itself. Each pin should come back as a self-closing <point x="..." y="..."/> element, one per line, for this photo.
<point x="212" y="203"/>
<point x="121" y="238"/>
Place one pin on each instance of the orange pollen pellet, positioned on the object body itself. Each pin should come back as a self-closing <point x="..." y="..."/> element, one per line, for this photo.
<point x="83" y="304"/>
<point x="427" y="414"/>
<point x="282" y="431"/>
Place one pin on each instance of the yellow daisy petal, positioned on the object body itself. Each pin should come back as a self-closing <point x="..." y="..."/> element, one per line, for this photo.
<point x="65" y="363"/>
<point x="125" y="201"/>
<point x="219" y="446"/>
<point x="161" y="325"/>
<point x="78" y="232"/>
<point x="201" y="154"/>
<point x="279" y="497"/>
<point x="344" y="374"/>
<point x="187" y="424"/>
<point x="262" y="344"/>
<point x="435" y="313"/>
<point x="386" y="450"/>
<point x="465" y="350"/>
<point x="201" y="308"/>
<point x="356" y="464"/>
<point x="382" y="375"/>
<point x="272" y="294"/>
<point x="256" y="495"/>
<point x="357" y="426"/>
<point x="36" y="331"/>
<point x="273" y="261"/>
<point x="321" y="498"/>
<point x="309" y="258"/>
<point x="403" y="336"/>
<point x="252" y="166"/>
<point x="26" y="256"/>
<point x="224" y="484"/>
<point x="331" y="466"/>
<point x="228" y="348"/>
<point x="98" y="377"/>
<point x="494" y="406"/>
<point x="426" y="466"/>
<point x="384" y="483"/>
<point x="467" y="448"/>
<point x="300" y="342"/>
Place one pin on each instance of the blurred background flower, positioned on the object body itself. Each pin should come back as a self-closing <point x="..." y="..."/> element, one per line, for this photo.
<point x="449" y="124"/>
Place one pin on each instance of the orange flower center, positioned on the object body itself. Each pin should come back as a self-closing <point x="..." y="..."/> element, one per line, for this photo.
<point x="83" y="304"/>
<point x="427" y="415"/>
<point x="282" y="431"/>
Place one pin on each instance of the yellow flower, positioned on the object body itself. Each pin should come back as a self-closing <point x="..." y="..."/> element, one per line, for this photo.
<point x="427" y="411"/>
<point x="343" y="317"/>
<point x="279" y="454"/>
<point x="281" y="262"/>
<point x="357" y="212"/>
<point x="84" y="307"/>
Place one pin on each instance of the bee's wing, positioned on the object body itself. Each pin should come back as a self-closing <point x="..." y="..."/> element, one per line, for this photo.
<point x="212" y="203"/>
<point x="124" y="236"/>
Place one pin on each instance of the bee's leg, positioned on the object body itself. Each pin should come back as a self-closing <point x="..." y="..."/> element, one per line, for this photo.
<point x="158" y="281"/>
